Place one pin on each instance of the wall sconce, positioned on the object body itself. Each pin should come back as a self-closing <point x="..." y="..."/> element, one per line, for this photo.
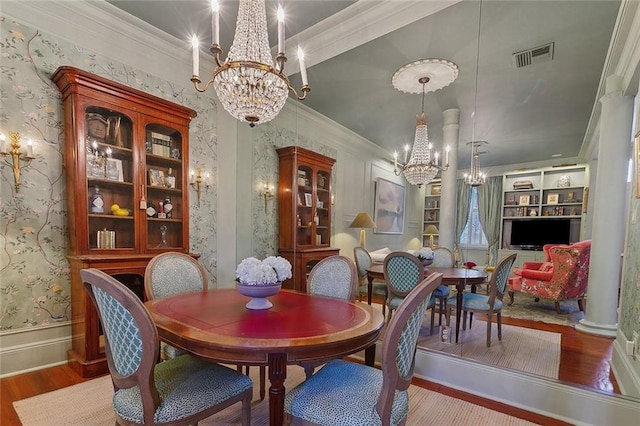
<point x="267" y="193"/>
<point x="16" y="155"/>
<point x="197" y="181"/>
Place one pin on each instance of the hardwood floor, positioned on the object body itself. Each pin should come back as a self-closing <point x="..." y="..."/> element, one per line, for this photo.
<point x="584" y="361"/>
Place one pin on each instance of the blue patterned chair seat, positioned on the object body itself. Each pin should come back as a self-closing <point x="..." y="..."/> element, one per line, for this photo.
<point x="334" y="387"/>
<point x="395" y="301"/>
<point x="441" y="291"/>
<point x="186" y="386"/>
<point x="475" y="301"/>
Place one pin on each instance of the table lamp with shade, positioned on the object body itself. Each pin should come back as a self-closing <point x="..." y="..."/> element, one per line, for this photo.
<point x="431" y="231"/>
<point x="363" y="221"/>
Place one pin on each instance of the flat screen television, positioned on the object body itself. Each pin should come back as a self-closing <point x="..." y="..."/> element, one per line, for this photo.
<point x="532" y="234"/>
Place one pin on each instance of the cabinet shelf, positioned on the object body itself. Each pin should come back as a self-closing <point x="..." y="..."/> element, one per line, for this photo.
<point x="159" y="159"/>
<point x="110" y="216"/>
<point x="164" y="189"/>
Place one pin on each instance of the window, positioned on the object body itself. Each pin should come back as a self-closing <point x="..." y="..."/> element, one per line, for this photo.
<point x="473" y="235"/>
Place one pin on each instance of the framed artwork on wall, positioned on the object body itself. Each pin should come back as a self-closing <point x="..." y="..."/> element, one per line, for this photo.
<point x="389" y="207"/>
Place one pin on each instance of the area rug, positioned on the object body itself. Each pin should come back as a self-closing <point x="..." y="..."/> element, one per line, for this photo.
<point x="523" y="349"/>
<point x="89" y="403"/>
<point x="525" y="307"/>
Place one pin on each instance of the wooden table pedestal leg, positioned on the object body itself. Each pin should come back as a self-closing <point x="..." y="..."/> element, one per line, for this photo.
<point x="277" y="375"/>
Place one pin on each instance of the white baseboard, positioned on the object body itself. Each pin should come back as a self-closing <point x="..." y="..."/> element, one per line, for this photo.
<point x="625" y="369"/>
<point x="33" y="349"/>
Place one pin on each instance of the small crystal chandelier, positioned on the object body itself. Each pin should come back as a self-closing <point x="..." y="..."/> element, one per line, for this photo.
<point x="248" y="85"/>
<point x="475" y="177"/>
<point x="423" y="164"/>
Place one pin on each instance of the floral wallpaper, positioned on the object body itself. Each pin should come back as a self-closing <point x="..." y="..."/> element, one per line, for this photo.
<point x="630" y="294"/>
<point x="34" y="273"/>
<point x="265" y="169"/>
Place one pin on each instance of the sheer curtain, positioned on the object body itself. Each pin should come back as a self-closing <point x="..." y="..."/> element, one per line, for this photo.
<point x="463" y="197"/>
<point x="489" y="212"/>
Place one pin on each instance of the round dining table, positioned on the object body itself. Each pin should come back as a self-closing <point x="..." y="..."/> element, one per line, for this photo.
<point x="458" y="277"/>
<point x="299" y="329"/>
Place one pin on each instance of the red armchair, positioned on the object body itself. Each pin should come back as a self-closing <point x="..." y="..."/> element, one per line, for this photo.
<point x="564" y="275"/>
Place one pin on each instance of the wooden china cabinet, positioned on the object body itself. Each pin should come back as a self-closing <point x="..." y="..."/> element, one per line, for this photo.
<point x="304" y="200"/>
<point x="126" y="161"/>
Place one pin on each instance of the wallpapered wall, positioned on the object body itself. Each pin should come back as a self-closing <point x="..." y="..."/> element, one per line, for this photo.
<point x="630" y="294"/>
<point x="34" y="275"/>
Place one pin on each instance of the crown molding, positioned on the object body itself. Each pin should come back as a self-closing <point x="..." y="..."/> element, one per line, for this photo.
<point x="356" y="25"/>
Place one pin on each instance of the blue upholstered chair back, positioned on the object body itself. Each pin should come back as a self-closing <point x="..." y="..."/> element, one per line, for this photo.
<point x="400" y="341"/>
<point x="402" y="271"/>
<point x="173" y="273"/>
<point x="334" y="276"/>
<point x="122" y="332"/>
<point x="363" y="261"/>
<point x="499" y="278"/>
<point x="443" y="258"/>
<point x="131" y="338"/>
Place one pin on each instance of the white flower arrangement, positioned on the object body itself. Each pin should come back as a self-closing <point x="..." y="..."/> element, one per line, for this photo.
<point x="425" y="253"/>
<point x="271" y="270"/>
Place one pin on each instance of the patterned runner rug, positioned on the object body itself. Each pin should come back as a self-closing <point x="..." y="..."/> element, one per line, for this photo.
<point x="89" y="403"/>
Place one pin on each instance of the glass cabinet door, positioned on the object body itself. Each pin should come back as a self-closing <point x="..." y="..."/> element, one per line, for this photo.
<point x="323" y="207"/>
<point x="305" y="215"/>
<point x="164" y="214"/>
<point x="110" y="177"/>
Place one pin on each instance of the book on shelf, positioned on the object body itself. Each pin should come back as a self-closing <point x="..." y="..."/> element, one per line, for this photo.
<point x="160" y="144"/>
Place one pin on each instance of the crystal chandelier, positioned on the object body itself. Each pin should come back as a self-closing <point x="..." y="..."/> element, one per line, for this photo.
<point x="423" y="163"/>
<point x="248" y="85"/>
<point x="475" y="177"/>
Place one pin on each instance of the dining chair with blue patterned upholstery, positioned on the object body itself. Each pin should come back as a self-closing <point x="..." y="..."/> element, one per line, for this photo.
<point x="181" y="390"/>
<point x="364" y="262"/>
<point x="488" y="304"/>
<point x="172" y="273"/>
<point x="402" y="272"/>
<point x="334" y="276"/>
<point x="350" y="393"/>
<point x="442" y="258"/>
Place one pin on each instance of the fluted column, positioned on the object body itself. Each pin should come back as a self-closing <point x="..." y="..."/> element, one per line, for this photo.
<point x="450" y="134"/>
<point x="608" y="211"/>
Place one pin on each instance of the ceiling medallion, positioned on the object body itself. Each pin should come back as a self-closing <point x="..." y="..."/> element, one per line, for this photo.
<point x="440" y="73"/>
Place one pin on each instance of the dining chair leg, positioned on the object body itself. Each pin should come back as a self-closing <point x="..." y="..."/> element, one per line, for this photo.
<point x="433" y="318"/>
<point x="308" y="370"/>
<point x="470" y="320"/>
<point x="263" y="373"/>
<point x="489" y="316"/>
<point x="464" y="320"/>
<point x="499" y="320"/>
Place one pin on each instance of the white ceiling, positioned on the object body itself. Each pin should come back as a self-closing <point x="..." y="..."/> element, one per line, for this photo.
<point x="353" y="49"/>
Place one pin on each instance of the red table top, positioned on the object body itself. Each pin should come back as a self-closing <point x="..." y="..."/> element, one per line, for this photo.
<point x="294" y="315"/>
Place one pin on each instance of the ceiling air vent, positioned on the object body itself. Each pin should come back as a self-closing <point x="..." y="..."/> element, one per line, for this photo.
<point x="536" y="55"/>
